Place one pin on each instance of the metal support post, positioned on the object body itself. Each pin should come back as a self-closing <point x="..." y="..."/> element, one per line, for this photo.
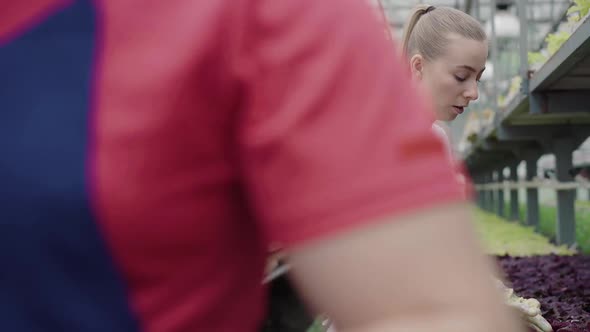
<point x="532" y="194"/>
<point x="479" y="194"/>
<point x="487" y="193"/>
<point x="566" y="223"/>
<point x="514" y="204"/>
<point x="492" y="192"/>
<point x="500" y="203"/>
<point x="524" y="44"/>
<point x="484" y="192"/>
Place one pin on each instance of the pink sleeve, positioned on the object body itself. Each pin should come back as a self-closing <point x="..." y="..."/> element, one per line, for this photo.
<point x="333" y="135"/>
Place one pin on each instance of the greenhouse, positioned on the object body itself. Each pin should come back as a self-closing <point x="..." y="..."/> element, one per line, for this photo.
<point x="525" y="145"/>
<point x="295" y="166"/>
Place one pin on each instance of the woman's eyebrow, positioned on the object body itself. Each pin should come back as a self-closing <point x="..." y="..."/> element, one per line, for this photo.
<point x="471" y="68"/>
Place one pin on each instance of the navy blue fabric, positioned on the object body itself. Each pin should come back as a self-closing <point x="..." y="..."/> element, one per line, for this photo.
<point x="55" y="272"/>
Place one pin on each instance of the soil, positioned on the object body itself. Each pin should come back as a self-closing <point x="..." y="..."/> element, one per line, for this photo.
<point x="560" y="283"/>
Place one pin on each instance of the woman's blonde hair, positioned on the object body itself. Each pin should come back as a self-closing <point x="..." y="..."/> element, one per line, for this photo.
<point x="427" y="31"/>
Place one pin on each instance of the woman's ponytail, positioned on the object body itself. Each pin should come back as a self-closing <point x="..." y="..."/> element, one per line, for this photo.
<point x="411" y="23"/>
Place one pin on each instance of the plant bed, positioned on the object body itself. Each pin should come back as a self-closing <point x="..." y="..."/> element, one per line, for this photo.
<point x="577" y="14"/>
<point x="548" y="221"/>
<point x="501" y="237"/>
<point x="560" y="283"/>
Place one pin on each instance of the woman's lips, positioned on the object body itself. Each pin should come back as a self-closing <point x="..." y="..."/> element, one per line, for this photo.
<point x="458" y="109"/>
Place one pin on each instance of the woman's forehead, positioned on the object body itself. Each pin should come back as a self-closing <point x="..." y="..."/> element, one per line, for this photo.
<point x="466" y="53"/>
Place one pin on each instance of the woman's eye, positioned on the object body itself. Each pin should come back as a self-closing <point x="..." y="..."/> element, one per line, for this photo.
<point x="459" y="78"/>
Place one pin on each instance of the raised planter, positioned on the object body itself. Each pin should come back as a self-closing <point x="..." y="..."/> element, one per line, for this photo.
<point x="560" y="283"/>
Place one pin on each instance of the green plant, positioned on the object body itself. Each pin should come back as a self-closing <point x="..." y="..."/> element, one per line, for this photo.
<point x="581" y="7"/>
<point x="515" y="85"/>
<point x="555" y="40"/>
<point x="472" y="137"/>
<point x="536" y="58"/>
<point x="501" y="237"/>
<point x="548" y="221"/>
<point x="573" y="19"/>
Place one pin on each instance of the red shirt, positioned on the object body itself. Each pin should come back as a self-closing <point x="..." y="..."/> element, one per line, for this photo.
<point x="201" y="133"/>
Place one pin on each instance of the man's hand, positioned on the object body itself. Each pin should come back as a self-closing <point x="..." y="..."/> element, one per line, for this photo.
<point x="528" y="309"/>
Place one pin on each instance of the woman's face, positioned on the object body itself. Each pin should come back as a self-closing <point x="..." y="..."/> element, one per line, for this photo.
<point x="452" y="78"/>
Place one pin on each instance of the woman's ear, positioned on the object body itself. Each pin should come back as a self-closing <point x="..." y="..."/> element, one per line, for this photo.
<point x="417" y="66"/>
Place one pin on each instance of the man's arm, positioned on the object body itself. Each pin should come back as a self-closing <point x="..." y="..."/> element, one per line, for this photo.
<point x="333" y="136"/>
<point x="422" y="271"/>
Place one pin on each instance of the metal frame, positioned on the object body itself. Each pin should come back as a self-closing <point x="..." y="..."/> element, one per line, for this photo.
<point x="547" y="116"/>
<point x="574" y="50"/>
<point x="473" y="7"/>
<point x="550" y="114"/>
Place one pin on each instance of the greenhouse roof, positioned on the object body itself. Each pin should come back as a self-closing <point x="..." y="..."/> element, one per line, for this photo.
<point x="543" y="14"/>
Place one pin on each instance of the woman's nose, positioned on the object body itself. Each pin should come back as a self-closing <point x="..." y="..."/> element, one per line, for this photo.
<point x="472" y="92"/>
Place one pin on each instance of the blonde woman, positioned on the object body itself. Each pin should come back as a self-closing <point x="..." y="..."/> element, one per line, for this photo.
<point x="447" y="50"/>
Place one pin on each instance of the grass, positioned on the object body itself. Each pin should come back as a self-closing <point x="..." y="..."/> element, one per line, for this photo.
<point x="548" y="221"/>
<point x="501" y="237"/>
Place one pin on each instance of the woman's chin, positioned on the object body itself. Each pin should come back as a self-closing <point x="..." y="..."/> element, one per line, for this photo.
<point x="446" y="116"/>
